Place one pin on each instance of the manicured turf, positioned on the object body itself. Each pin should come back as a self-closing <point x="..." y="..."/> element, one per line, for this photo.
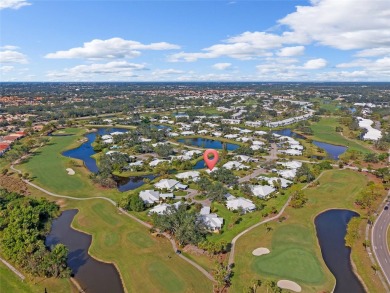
<point x="141" y="258"/>
<point x="325" y="130"/>
<point x="10" y="283"/>
<point x="48" y="169"/>
<point x="295" y="254"/>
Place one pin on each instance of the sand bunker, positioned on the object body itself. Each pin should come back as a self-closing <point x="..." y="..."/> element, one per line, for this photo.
<point x="290" y="285"/>
<point x="260" y="251"/>
<point x="70" y="171"/>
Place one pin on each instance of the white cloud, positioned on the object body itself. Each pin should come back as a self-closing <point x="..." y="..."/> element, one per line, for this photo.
<point x="6" y="68"/>
<point x="374" y="52"/>
<point x="9" y="47"/>
<point x="291" y="51"/>
<point x="11" y="56"/>
<point x="315" y="64"/>
<point x="345" y="25"/>
<point x="110" y="49"/>
<point x="112" y="69"/>
<point x="170" y="71"/>
<point x="222" y="66"/>
<point x="244" y="46"/>
<point x="13" y="4"/>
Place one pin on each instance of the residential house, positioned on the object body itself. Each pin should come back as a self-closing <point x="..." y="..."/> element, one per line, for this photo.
<point x="262" y="191"/>
<point x="246" y="204"/>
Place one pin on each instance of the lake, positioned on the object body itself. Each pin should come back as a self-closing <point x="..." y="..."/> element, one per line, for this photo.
<point x="208" y="143"/>
<point x="85" y="151"/>
<point x="331" y="227"/>
<point x="92" y="275"/>
<point x="332" y="151"/>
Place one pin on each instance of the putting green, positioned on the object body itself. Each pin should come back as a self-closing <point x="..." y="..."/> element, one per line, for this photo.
<point x="294" y="263"/>
<point x="292" y="256"/>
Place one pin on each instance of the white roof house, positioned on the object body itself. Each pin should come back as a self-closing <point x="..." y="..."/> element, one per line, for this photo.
<point x="173" y="134"/>
<point x="235" y="165"/>
<point x="166" y="184"/>
<point x="246" y="204"/>
<point x="116" y="133"/>
<point x="149" y="196"/>
<point x="106" y="136"/>
<point x="258" y="142"/>
<point x="187" y="133"/>
<point x="291" y="152"/>
<point x="260" y="132"/>
<point x="212" y="221"/>
<point x="283" y="182"/>
<point x="205" y="210"/>
<point x="162" y="208"/>
<point x="291" y="164"/>
<point x="189" y="174"/>
<point x="288" y="174"/>
<point x="231" y="136"/>
<point x="169" y="184"/>
<point x="212" y="170"/>
<point x="244" y="158"/>
<point x="155" y="162"/>
<point x="262" y="190"/>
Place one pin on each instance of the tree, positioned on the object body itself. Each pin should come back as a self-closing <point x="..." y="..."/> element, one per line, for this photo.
<point x="298" y="198"/>
<point x="304" y="173"/>
<point x="222" y="275"/>
<point x="23" y="227"/>
<point x="184" y="225"/>
<point x="164" y="150"/>
<point x="225" y="176"/>
<point x="136" y="204"/>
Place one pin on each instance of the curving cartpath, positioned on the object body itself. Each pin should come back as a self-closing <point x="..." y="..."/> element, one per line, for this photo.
<point x="173" y="243"/>
<point x="233" y="244"/>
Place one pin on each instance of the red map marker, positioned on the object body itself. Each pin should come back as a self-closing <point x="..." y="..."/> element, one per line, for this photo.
<point x="210" y="162"/>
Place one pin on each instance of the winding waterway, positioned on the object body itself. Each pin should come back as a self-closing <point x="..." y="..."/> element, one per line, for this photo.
<point x="331" y="227"/>
<point x="92" y="275"/>
<point x="208" y="143"/>
<point x="85" y="151"/>
<point x="332" y="151"/>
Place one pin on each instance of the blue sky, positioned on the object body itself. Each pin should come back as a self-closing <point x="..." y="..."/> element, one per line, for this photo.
<point x="317" y="40"/>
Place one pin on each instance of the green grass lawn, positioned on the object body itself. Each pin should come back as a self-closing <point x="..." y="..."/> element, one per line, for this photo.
<point x="325" y="131"/>
<point x="9" y="282"/>
<point x="47" y="167"/>
<point x="295" y="253"/>
<point x="247" y="220"/>
<point x="138" y="255"/>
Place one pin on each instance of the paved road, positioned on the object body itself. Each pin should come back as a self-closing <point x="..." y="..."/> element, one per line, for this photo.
<point x="379" y="242"/>
<point x="254" y="174"/>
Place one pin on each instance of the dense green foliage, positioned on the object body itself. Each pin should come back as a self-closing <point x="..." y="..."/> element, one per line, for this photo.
<point x="184" y="224"/>
<point x="24" y="223"/>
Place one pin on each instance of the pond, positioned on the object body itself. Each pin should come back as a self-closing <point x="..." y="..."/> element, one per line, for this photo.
<point x="91" y="274"/>
<point x="331" y="227"/>
<point x="131" y="183"/>
<point x="333" y="151"/>
<point x="85" y="151"/>
<point x="199" y="165"/>
<point x="208" y="143"/>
